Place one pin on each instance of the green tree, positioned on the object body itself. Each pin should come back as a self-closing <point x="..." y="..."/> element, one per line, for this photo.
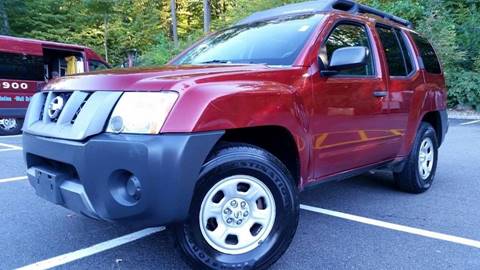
<point x="173" y="7"/>
<point x="4" y="25"/>
<point x="102" y="8"/>
<point x="207" y="16"/>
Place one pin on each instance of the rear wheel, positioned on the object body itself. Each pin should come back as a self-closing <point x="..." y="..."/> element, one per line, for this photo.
<point x="419" y="171"/>
<point x="244" y="213"/>
<point x="10" y="126"/>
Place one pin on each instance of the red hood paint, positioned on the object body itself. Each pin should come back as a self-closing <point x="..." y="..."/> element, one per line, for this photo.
<point x="176" y="78"/>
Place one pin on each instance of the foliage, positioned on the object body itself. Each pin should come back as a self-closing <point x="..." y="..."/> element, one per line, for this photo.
<point x="466" y="90"/>
<point x="112" y="27"/>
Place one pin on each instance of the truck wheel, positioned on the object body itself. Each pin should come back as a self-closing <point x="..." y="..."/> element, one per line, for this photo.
<point x="244" y="213"/>
<point x="10" y="126"/>
<point x="419" y="171"/>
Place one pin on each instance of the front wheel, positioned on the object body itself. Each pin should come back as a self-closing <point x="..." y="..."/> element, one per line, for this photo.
<point x="10" y="126"/>
<point x="244" y="213"/>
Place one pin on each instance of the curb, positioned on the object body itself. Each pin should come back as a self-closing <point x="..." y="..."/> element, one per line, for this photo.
<point x="463" y="115"/>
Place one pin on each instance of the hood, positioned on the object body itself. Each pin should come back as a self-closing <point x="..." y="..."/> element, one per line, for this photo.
<point x="176" y="78"/>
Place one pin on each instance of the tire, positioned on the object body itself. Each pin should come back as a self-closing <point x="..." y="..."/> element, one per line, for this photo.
<point x="415" y="178"/>
<point x="240" y="169"/>
<point x="10" y="126"/>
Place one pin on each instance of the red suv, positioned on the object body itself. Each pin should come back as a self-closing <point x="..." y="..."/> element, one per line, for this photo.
<point x="27" y="64"/>
<point x="220" y="142"/>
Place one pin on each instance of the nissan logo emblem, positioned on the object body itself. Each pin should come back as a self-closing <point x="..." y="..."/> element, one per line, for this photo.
<point x="55" y="107"/>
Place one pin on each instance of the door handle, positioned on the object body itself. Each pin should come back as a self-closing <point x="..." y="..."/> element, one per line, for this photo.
<point x="380" y="94"/>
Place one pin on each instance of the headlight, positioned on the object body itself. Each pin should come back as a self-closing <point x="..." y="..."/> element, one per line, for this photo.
<point x="141" y="112"/>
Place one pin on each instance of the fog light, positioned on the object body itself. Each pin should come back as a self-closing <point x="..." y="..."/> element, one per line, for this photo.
<point x="134" y="188"/>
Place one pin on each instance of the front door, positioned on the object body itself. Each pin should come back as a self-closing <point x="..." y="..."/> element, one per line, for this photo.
<point x="350" y="118"/>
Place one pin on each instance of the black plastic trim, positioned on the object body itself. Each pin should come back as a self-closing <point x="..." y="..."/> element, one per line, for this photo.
<point x="167" y="167"/>
<point x="445" y="125"/>
<point x="348" y="174"/>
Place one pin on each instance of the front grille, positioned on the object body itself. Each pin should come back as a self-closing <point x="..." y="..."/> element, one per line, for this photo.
<point x="41" y="111"/>
<point x="67" y="113"/>
<point x="80" y="109"/>
<point x="65" y="96"/>
<point x="82" y="115"/>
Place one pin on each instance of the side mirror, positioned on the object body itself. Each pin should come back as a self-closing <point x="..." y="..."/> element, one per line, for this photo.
<point x="346" y="58"/>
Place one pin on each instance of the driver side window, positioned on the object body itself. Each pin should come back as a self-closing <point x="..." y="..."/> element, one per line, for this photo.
<point x="348" y="35"/>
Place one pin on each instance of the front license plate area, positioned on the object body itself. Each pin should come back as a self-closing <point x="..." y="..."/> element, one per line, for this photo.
<point x="47" y="185"/>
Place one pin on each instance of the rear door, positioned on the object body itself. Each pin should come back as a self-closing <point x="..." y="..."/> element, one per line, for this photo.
<point x="404" y="80"/>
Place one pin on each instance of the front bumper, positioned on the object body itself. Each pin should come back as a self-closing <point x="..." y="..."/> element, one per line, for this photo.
<point x="91" y="177"/>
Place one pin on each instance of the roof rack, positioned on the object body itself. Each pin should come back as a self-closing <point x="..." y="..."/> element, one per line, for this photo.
<point x="311" y="7"/>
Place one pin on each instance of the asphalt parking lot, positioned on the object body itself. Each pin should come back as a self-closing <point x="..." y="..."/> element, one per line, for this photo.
<point x="360" y="223"/>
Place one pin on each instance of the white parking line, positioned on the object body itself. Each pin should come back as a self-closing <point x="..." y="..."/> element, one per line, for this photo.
<point x="470" y="123"/>
<point x="10" y="147"/>
<point x="395" y="227"/>
<point x="86" y="252"/>
<point x="13" y="179"/>
<point x="11" y="136"/>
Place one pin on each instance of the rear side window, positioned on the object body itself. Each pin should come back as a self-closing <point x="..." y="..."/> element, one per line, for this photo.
<point x="398" y="58"/>
<point x="393" y="52"/>
<point x="21" y="67"/>
<point x="348" y="35"/>
<point x="429" y="58"/>
<point x="407" y="53"/>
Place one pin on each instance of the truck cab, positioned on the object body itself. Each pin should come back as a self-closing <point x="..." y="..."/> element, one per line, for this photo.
<point x="26" y="65"/>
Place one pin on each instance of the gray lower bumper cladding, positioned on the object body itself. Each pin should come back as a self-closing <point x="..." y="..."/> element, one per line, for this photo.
<point x="135" y="179"/>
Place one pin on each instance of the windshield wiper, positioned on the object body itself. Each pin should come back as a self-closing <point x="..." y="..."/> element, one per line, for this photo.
<point x="216" y="62"/>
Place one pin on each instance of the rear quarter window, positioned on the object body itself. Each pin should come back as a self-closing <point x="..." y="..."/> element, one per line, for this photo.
<point x="398" y="56"/>
<point x="428" y="55"/>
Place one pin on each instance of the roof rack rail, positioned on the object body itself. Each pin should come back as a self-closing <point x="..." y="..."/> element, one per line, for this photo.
<point x="369" y="10"/>
<point x="309" y="7"/>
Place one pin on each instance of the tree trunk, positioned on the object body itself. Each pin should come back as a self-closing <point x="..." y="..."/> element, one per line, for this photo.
<point x="207" y="16"/>
<point x="105" y="36"/>
<point x="4" y="26"/>
<point x="173" y="8"/>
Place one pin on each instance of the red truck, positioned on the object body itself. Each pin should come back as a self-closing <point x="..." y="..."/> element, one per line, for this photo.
<point x="25" y="67"/>
<point x="219" y="143"/>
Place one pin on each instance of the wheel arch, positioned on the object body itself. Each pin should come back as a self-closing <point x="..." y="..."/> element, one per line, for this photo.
<point x="439" y="121"/>
<point x="277" y="140"/>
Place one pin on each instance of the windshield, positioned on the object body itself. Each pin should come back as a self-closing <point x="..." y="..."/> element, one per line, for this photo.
<point x="273" y="42"/>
